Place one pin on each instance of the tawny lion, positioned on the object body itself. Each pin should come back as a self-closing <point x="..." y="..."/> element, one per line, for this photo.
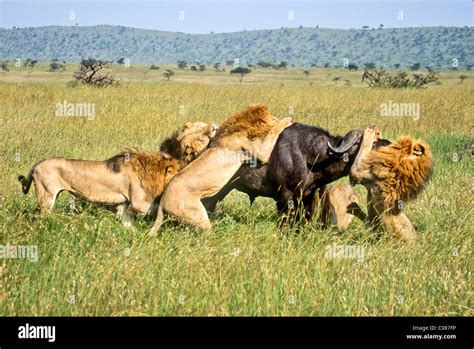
<point x="245" y="135"/>
<point x="333" y="201"/>
<point x="393" y="175"/>
<point x="131" y="180"/>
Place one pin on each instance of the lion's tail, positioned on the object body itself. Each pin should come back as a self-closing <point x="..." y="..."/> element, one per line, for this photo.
<point x="26" y="181"/>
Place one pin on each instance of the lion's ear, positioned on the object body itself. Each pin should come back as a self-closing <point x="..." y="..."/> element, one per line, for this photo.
<point x="418" y="149"/>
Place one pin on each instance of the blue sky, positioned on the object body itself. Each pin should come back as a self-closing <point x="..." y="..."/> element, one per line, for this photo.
<point x="199" y="16"/>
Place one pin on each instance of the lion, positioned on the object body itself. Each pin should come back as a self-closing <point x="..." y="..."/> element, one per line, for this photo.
<point x="393" y="175"/>
<point x="333" y="201"/>
<point x="244" y="136"/>
<point x="131" y="180"/>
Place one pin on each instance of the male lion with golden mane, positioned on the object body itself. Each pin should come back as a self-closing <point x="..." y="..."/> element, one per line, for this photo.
<point x="245" y="136"/>
<point x="131" y="180"/>
<point x="393" y="175"/>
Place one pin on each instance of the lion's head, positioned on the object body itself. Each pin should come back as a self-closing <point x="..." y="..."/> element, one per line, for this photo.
<point x="189" y="141"/>
<point x="402" y="167"/>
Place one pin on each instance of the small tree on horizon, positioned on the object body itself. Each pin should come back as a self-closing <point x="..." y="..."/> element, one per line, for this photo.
<point x="352" y="66"/>
<point x="369" y="65"/>
<point x="462" y="77"/>
<point x="30" y="63"/>
<point x="182" y="65"/>
<point x="242" y="71"/>
<point x="90" y="73"/>
<point x="168" y="73"/>
<point x="306" y="72"/>
<point x="56" y="66"/>
<point x="4" y="66"/>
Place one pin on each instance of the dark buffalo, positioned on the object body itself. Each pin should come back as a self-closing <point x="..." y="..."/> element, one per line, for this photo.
<point x="305" y="158"/>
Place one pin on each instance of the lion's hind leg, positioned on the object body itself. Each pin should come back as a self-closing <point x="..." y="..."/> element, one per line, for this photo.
<point x="46" y="197"/>
<point x="190" y="211"/>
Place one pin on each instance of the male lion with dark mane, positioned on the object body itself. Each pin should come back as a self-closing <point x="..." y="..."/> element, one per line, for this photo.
<point x="131" y="180"/>
<point x="393" y="175"/>
<point x="245" y="136"/>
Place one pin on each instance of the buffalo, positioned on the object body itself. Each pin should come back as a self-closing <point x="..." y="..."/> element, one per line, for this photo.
<point x="305" y="159"/>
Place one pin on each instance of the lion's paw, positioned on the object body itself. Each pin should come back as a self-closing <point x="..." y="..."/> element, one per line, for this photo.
<point x="288" y="121"/>
<point x="370" y="136"/>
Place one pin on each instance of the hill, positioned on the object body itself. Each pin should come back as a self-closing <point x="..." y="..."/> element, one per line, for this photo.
<point x="430" y="46"/>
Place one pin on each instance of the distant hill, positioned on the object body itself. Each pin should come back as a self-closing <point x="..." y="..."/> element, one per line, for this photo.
<point x="435" y="47"/>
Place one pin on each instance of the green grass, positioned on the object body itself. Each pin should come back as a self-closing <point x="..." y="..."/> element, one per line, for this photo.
<point x="90" y="265"/>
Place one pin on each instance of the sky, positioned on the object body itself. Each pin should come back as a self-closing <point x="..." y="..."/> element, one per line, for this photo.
<point x="198" y="16"/>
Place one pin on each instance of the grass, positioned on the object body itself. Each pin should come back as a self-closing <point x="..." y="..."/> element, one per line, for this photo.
<point x="90" y="265"/>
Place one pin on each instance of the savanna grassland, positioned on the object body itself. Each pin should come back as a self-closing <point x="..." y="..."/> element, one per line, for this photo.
<point x="90" y="265"/>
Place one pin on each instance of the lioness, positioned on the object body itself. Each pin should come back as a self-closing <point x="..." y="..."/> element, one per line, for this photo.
<point x="392" y="174"/>
<point x="245" y="136"/>
<point x="334" y="201"/>
<point x="132" y="179"/>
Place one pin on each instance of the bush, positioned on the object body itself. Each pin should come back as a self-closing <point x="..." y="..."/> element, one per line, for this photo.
<point x="384" y="79"/>
<point x="90" y="73"/>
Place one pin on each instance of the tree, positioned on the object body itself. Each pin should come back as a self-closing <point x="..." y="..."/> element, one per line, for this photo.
<point x="336" y="79"/>
<point x="55" y="66"/>
<point x="121" y="61"/>
<point x="242" y="71"/>
<point x="30" y="63"/>
<point x="282" y="65"/>
<point x="396" y="65"/>
<point x="265" y="64"/>
<point x="217" y="66"/>
<point x="352" y="66"/>
<point x="384" y="79"/>
<point x="168" y="73"/>
<point x="202" y="67"/>
<point x="90" y="73"/>
<point x="193" y="68"/>
<point x="326" y="65"/>
<point x="415" y="66"/>
<point x="182" y="65"/>
<point x="369" y="65"/>
<point x="306" y="72"/>
<point x="365" y="27"/>
<point x="4" y="66"/>
<point x="462" y="77"/>
<point x="154" y="67"/>
<point x="381" y="26"/>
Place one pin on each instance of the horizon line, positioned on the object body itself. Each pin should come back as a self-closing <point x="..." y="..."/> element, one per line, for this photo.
<point x="233" y="32"/>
